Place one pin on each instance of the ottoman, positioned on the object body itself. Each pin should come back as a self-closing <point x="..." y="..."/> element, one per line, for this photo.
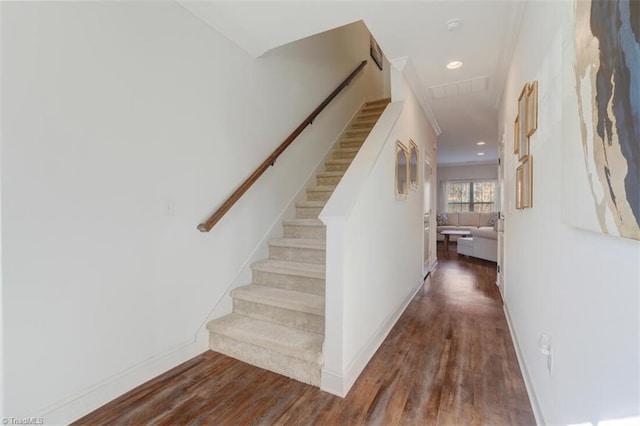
<point x="465" y="246"/>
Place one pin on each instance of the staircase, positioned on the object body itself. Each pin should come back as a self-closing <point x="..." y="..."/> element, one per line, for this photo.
<point x="278" y="321"/>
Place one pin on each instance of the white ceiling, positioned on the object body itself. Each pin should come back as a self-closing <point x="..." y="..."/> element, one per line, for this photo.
<point x="417" y="30"/>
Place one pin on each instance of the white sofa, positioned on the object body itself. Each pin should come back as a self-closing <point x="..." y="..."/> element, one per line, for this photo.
<point x="463" y="221"/>
<point x="482" y="229"/>
<point x="485" y="243"/>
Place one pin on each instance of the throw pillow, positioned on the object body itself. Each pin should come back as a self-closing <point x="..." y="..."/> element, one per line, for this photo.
<point x="493" y="219"/>
<point x="441" y="219"/>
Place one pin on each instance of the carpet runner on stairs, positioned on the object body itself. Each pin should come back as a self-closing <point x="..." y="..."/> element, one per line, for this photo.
<point x="278" y="320"/>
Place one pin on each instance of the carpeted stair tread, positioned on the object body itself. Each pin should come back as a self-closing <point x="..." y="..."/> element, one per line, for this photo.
<point x="355" y="131"/>
<point x="330" y="174"/>
<point x="304" y="243"/>
<point x="382" y="101"/>
<point x="353" y="150"/>
<point x="352" y="139"/>
<point x="364" y="123"/>
<point x="369" y="115"/>
<point x="310" y="203"/>
<point x="278" y="321"/>
<point x="339" y="161"/>
<point x="374" y="108"/>
<point x="286" y="267"/>
<point x="286" y="340"/>
<point x="322" y="188"/>
<point x="303" y="222"/>
<point x="286" y="299"/>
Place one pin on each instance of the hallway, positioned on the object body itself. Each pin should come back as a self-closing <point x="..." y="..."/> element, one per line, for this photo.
<point x="448" y="361"/>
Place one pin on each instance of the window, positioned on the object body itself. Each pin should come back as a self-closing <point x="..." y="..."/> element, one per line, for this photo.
<point x="471" y="196"/>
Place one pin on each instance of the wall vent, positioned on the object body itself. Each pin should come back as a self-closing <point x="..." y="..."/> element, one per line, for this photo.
<point x="476" y="84"/>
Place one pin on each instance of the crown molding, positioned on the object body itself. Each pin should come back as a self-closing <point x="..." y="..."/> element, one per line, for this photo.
<point x="404" y="65"/>
<point x="510" y="33"/>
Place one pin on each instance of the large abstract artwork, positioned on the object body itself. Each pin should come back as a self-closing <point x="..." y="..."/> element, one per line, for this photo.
<point x="607" y="71"/>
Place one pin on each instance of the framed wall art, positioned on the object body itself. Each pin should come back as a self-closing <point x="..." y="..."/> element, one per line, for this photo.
<point x="516" y="135"/>
<point x="532" y="108"/>
<point x="526" y="197"/>
<point x="602" y="182"/>
<point x="523" y="139"/>
<point x="402" y="171"/>
<point x="414" y="156"/>
<point x="519" y="187"/>
<point x="376" y="53"/>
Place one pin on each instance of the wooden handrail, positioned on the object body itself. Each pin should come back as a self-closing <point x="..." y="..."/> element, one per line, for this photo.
<point x="271" y="159"/>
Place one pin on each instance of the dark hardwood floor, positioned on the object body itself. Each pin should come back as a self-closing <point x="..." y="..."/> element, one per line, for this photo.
<point x="448" y="361"/>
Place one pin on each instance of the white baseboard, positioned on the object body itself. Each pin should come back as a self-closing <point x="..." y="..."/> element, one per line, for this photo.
<point x="82" y="403"/>
<point x="525" y="373"/>
<point x="340" y="384"/>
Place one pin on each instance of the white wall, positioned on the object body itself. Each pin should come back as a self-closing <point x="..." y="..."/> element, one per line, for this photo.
<point x="581" y="288"/>
<point x="472" y="171"/>
<point x="1" y="274"/>
<point x="124" y="126"/>
<point x="374" y="243"/>
<point x="460" y="172"/>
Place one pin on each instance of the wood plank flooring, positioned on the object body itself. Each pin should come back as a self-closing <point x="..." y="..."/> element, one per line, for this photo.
<point x="448" y="361"/>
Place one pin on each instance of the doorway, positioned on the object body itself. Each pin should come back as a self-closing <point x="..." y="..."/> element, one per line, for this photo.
<point x="426" y="259"/>
<point x="501" y="209"/>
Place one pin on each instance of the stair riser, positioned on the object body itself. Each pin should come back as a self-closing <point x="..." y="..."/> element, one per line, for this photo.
<point x="289" y="282"/>
<point x="374" y="109"/>
<point x="296" y="254"/>
<point x="354" y="139"/>
<point x="308" y="212"/>
<point x="382" y="102"/>
<point x="328" y="180"/>
<point x="364" y="124"/>
<point x="300" y="320"/>
<point x="369" y="116"/>
<point x="352" y="144"/>
<point x="336" y="167"/>
<point x="295" y="231"/>
<point x="303" y="371"/>
<point x="357" y="133"/>
<point x="344" y="155"/>
<point x="319" y="195"/>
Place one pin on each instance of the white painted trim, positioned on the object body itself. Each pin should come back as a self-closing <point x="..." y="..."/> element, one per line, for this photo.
<point x="78" y="405"/>
<point x="332" y="382"/>
<point x="537" y="412"/>
<point x="405" y="65"/>
<point x="511" y="27"/>
<point x="340" y="385"/>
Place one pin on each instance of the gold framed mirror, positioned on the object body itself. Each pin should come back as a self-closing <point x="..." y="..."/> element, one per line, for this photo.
<point x="402" y="171"/>
<point x="414" y="161"/>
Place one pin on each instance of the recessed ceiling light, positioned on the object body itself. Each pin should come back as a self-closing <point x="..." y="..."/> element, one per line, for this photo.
<point x="454" y="65"/>
<point x="480" y="143"/>
<point x="481" y="153"/>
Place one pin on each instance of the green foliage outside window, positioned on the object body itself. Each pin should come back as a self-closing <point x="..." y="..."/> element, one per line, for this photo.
<point x="468" y="196"/>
